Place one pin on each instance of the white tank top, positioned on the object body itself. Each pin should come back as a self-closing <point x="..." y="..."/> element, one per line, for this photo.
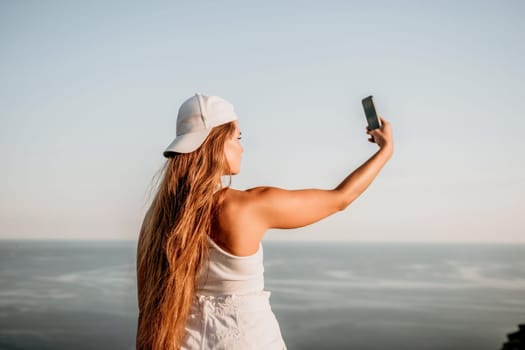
<point x="226" y="273"/>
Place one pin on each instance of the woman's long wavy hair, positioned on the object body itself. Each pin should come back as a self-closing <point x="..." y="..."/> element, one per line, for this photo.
<point x="172" y="245"/>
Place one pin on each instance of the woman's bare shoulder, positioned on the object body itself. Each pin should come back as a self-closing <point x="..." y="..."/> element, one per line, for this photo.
<point x="233" y="197"/>
<point x="236" y="226"/>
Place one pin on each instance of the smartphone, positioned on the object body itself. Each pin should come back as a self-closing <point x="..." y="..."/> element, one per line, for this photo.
<point x="370" y="112"/>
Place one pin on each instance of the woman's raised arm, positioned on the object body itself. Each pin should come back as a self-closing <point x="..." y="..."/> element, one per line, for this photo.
<point x="274" y="207"/>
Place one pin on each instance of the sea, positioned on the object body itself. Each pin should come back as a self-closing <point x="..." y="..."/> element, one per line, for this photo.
<point x="325" y="295"/>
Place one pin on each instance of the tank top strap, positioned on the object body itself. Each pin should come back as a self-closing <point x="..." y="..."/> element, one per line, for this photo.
<point x="224" y="252"/>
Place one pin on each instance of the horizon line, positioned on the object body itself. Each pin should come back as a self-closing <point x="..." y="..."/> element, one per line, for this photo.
<point x="277" y="240"/>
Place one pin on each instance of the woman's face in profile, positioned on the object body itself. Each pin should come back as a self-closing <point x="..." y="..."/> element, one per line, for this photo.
<point x="233" y="150"/>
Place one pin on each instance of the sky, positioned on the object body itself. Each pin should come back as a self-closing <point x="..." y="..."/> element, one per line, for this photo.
<point x="89" y="94"/>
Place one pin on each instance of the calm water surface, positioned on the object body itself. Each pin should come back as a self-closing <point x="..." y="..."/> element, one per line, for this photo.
<point x="82" y="294"/>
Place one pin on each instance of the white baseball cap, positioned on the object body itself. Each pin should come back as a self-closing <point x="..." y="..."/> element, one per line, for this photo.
<point x="197" y="116"/>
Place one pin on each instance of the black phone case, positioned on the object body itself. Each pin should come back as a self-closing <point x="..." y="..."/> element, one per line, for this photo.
<point x="370" y="112"/>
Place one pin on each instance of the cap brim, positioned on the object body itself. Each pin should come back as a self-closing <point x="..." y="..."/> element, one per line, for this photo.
<point x="187" y="143"/>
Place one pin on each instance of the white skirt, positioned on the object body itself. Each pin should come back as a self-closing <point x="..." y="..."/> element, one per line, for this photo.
<point x="232" y="322"/>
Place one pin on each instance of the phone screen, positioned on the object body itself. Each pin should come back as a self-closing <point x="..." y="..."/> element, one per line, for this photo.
<point x="370" y="112"/>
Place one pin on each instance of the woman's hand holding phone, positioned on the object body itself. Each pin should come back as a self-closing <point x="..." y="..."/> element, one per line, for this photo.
<point x="382" y="135"/>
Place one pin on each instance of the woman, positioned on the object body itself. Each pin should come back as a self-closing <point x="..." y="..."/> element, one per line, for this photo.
<point x="199" y="255"/>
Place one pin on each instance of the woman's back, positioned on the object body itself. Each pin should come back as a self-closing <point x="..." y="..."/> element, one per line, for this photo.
<point x="225" y="273"/>
<point x="231" y="308"/>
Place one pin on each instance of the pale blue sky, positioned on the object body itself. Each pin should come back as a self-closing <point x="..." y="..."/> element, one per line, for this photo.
<point x="90" y="90"/>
